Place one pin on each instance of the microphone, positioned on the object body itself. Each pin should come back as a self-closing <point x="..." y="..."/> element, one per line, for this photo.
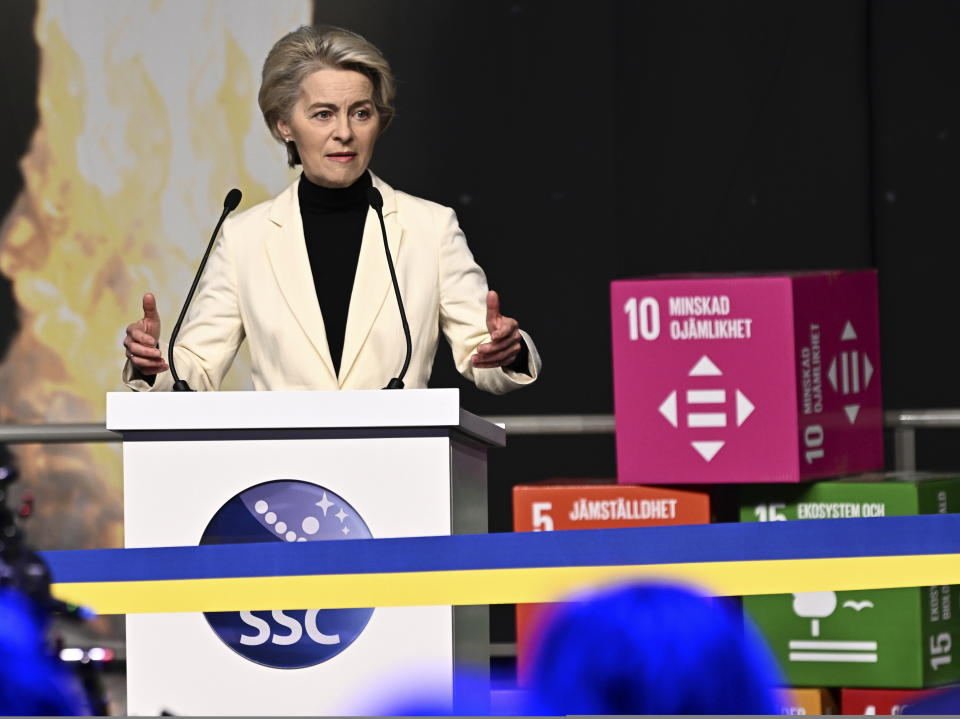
<point x="230" y="203"/>
<point x="376" y="202"/>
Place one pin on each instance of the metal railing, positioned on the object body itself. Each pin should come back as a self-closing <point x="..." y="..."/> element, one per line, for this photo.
<point x="57" y="433"/>
<point x="904" y="424"/>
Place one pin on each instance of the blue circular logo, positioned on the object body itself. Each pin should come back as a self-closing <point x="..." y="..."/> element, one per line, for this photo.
<point x="287" y="510"/>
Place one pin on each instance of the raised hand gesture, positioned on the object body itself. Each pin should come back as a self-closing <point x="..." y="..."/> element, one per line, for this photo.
<point x="505" y="342"/>
<point x="140" y="343"/>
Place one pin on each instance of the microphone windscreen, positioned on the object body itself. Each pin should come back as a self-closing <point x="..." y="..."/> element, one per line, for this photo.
<point x="375" y="198"/>
<point x="232" y="199"/>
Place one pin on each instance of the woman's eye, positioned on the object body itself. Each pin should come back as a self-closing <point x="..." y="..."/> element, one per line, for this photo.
<point x="363" y="114"/>
<point x="323" y="115"/>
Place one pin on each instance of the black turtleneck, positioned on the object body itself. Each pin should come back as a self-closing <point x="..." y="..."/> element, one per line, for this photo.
<point x="333" y="220"/>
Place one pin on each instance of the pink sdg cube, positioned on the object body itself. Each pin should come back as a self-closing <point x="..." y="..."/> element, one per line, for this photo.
<point x="743" y="379"/>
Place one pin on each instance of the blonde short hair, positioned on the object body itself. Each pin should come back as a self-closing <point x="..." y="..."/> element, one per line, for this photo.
<point x="308" y="49"/>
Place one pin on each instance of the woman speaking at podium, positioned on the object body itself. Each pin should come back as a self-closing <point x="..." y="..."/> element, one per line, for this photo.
<point x="305" y="276"/>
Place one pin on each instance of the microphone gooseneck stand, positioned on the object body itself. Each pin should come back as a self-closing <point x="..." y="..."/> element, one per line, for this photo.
<point x="376" y="202"/>
<point x="230" y="203"/>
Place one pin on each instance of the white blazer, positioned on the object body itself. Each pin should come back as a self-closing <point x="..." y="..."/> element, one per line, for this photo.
<point x="258" y="285"/>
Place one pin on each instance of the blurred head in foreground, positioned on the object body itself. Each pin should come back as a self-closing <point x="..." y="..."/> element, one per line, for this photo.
<point x="32" y="682"/>
<point x="426" y="694"/>
<point x="651" y="649"/>
<point x="938" y="701"/>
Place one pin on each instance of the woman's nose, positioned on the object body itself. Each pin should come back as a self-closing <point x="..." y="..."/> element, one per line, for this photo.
<point x="344" y="133"/>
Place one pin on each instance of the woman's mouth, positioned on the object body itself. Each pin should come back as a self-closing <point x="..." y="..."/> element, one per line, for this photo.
<point x="342" y="156"/>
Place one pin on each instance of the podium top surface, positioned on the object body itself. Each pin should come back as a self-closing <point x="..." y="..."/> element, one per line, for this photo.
<point x="350" y="409"/>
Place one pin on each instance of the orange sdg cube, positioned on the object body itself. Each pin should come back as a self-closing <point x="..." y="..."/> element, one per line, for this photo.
<point x="586" y="504"/>
<point x="807" y="701"/>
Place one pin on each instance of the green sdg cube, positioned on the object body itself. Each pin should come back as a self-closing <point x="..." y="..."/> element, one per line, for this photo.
<point x="872" y="638"/>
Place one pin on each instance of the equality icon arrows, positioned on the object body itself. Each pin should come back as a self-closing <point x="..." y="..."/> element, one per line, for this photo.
<point x="850" y="372"/>
<point x="706" y="408"/>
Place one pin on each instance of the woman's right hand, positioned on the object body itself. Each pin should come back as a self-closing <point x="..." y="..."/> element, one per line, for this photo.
<point x="142" y="339"/>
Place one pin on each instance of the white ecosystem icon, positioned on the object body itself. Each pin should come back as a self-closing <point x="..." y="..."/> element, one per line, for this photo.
<point x="816" y="606"/>
<point x="858" y="605"/>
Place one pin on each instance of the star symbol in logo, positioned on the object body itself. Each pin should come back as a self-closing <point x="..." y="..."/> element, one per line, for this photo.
<point x="345" y="530"/>
<point x="341" y="515"/>
<point x="324" y="504"/>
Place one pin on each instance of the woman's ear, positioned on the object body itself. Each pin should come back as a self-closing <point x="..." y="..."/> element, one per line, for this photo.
<point x="283" y="127"/>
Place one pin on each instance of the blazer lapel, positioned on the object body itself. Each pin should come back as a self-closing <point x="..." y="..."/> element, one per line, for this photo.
<point x="287" y="251"/>
<point x="372" y="283"/>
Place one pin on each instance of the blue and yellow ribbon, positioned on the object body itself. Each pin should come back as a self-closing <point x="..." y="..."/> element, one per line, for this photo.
<point x="722" y="559"/>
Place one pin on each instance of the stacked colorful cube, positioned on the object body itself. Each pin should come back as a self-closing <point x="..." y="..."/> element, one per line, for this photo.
<point x="880" y="638"/>
<point x="735" y="380"/>
<point x="603" y="504"/>
<point x="769" y="382"/>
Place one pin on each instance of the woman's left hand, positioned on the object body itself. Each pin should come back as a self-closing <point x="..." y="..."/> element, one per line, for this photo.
<point x="505" y="341"/>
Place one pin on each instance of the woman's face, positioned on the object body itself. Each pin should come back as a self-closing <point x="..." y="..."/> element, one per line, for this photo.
<point x="334" y="125"/>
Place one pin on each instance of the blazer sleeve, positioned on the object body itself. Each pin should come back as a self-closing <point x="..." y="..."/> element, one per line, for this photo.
<point x="463" y="311"/>
<point x="211" y="333"/>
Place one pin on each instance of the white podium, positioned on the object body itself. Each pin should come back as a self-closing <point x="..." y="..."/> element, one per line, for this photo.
<point x="299" y="466"/>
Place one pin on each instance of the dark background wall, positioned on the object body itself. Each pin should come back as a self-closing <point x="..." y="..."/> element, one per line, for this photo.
<point x="585" y="142"/>
<point x="915" y="62"/>
<point x="582" y="143"/>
